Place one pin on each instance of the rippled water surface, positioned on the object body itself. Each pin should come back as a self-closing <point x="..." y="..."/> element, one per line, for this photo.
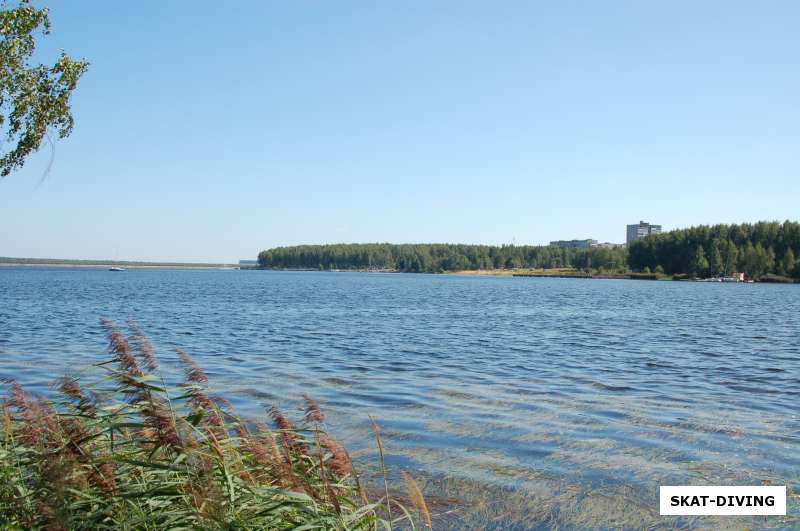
<point x="534" y="402"/>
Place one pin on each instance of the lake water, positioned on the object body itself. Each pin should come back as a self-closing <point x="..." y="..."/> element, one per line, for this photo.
<point x="519" y="402"/>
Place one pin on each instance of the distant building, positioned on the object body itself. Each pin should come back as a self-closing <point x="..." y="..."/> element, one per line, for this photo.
<point x="641" y="230"/>
<point x="575" y="244"/>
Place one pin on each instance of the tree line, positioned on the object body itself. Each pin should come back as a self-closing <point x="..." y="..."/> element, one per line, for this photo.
<point x="758" y="250"/>
<point x="434" y="258"/>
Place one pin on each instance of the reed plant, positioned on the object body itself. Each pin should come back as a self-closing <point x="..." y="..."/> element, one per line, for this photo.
<point x="126" y="451"/>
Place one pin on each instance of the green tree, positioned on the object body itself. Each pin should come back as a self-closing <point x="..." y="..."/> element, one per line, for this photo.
<point x="699" y="264"/>
<point x="730" y="257"/>
<point x="761" y="262"/>
<point x="34" y="100"/>
<point x="747" y="259"/>
<point x="715" y="262"/>
<point x="788" y="262"/>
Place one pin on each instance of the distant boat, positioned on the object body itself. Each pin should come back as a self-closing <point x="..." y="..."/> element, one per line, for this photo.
<point x="116" y="259"/>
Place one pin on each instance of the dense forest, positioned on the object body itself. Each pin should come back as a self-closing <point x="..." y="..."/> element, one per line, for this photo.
<point x="432" y="258"/>
<point x="758" y="250"/>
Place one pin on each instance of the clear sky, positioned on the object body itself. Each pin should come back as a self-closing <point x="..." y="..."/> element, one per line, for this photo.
<point x="207" y="131"/>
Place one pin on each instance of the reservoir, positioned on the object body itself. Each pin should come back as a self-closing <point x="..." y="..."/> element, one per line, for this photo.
<point x="518" y="402"/>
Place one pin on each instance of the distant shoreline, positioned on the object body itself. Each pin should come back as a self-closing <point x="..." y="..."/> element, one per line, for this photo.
<point x="97" y="264"/>
<point x="517" y="272"/>
<point x="553" y="273"/>
<point x="538" y="273"/>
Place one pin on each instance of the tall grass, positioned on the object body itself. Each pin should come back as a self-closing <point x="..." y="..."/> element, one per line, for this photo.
<point x="127" y="452"/>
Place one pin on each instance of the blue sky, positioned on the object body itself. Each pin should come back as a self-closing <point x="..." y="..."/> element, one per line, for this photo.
<point x="207" y="132"/>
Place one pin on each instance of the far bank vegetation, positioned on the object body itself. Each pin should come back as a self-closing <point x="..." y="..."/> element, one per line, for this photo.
<point x="768" y="251"/>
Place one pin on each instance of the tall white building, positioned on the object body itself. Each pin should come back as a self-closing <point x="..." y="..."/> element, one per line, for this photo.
<point x="641" y="230"/>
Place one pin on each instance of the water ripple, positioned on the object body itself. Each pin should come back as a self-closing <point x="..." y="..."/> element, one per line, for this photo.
<point x="507" y="382"/>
